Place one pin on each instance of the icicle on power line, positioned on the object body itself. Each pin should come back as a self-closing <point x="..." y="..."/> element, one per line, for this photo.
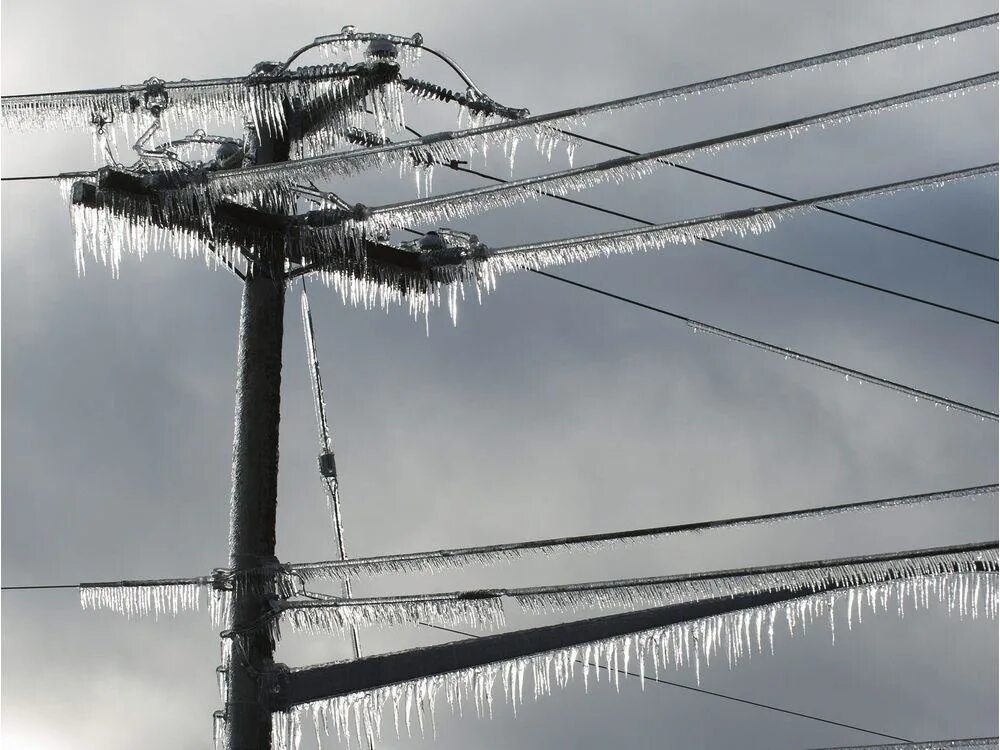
<point x="751" y="221"/>
<point x="208" y="103"/>
<point x="483" y="266"/>
<point x="449" y="559"/>
<point x="479" y="610"/>
<point x="693" y="644"/>
<point x="981" y="742"/>
<point x="542" y="129"/>
<point x="466" y="606"/>
<point x="142" y="598"/>
<point x="465" y="203"/>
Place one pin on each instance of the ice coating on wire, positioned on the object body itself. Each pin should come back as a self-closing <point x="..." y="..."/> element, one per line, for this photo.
<point x="223" y="102"/>
<point x="483" y="272"/>
<point x="751" y="221"/>
<point x="545" y="129"/>
<point x="450" y="559"/>
<point x="693" y="644"/>
<point x="340" y="615"/>
<point x="143" y="598"/>
<point x="984" y="742"/>
<point x="453" y="608"/>
<point x="465" y="203"/>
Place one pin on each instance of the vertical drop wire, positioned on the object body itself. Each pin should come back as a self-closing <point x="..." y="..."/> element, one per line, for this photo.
<point x="328" y="471"/>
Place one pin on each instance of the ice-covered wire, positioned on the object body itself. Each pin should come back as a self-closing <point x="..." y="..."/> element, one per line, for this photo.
<point x="490" y="554"/>
<point x="695" y="644"/>
<point x="464" y="203"/>
<point x="742" y="222"/>
<point x="450" y="145"/>
<point x="140" y="598"/>
<point x="484" y="608"/>
<point x="957" y="744"/>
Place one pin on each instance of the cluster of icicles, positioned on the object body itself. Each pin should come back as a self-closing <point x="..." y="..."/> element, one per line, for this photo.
<point x="547" y="130"/>
<point x="199" y="104"/>
<point x="976" y="742"/>
<point x="484" y="610"/>
<point x="495" y="554"/>
<point x="466" y="203"/>
<point x="694" y="644"/>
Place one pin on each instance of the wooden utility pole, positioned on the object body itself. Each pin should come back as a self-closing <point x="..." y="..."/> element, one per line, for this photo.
<point x="254" y="501"/>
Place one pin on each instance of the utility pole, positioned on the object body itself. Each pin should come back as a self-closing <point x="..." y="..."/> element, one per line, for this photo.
<point x="254" y="501"/>
<point x="163" y="193"/>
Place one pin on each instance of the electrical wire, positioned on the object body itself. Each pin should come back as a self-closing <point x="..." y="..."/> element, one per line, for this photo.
<point x="724" y="696"/>
<point x="847" y="372"/>
<point x="327" y="164"/>
<point x="754" y="253"/>
<point x="464" y="203"/>
<point x="783" y="196"/>
<point x="485" y="554"/>
<point x="841" y="571"/>
<point x="649" y="678"/>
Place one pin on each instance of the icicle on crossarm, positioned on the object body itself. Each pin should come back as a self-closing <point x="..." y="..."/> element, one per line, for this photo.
<point x="480" y="610"/>
<point x="981" y="742"/>
<point x="448" y="559"/>
<point x="167" y="596"/>
<point x="465" y="203"/>
<point x="543" y="129"/>
<point x="463" y="607"/>
<point x="692" y="644"/>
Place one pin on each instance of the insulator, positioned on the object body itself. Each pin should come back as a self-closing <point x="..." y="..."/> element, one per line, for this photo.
<point x="382" y="48"/>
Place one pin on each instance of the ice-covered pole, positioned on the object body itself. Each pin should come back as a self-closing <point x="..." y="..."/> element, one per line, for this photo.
<point x="253" y="505"/>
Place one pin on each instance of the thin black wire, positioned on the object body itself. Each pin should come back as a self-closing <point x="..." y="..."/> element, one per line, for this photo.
<point x="984" y="413"/>
<point x="31" y="177"/>
<point x="765" y="191"/>
<point x="712" y="693"/>
<point x="49" y="586"/>
<point x="719" y="243"/>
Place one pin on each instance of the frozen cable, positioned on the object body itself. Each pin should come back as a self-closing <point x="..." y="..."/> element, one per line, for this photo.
<point x="495" y="553"/>
<point x="464" y="203"/>
<point x="449" y="144"/>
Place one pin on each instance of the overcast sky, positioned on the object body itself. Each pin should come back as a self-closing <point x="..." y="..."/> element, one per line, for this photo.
<point x="547" y="411"/>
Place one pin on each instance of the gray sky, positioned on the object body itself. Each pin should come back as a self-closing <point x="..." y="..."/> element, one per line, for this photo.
<point x="547" y="411"/>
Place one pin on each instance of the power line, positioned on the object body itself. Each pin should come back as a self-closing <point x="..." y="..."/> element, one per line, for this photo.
<point x="487" y="554"/>
<point x="41" y="586"/>
<point x="454" y="143"/>
<point x="475" y="200"/>
<point x="788" y="353"/>
<point x="825" y="209"/>
<point x="733" y="698"/>
<point x="649" y="678"/>
<point x="31" y="177"/>
<point x="754" y="253"/>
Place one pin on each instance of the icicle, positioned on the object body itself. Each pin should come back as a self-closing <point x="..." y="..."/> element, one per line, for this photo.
<point x="451" y="559"/>
<point x="484" y="609"/>
<point x="466" y="203"/>
<point x="549" y="129"/>
<point x="140" y="598"/>
<point x="671" y="644"/>
<point x="981" y="742"/>
<point x="337" y="616"/>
